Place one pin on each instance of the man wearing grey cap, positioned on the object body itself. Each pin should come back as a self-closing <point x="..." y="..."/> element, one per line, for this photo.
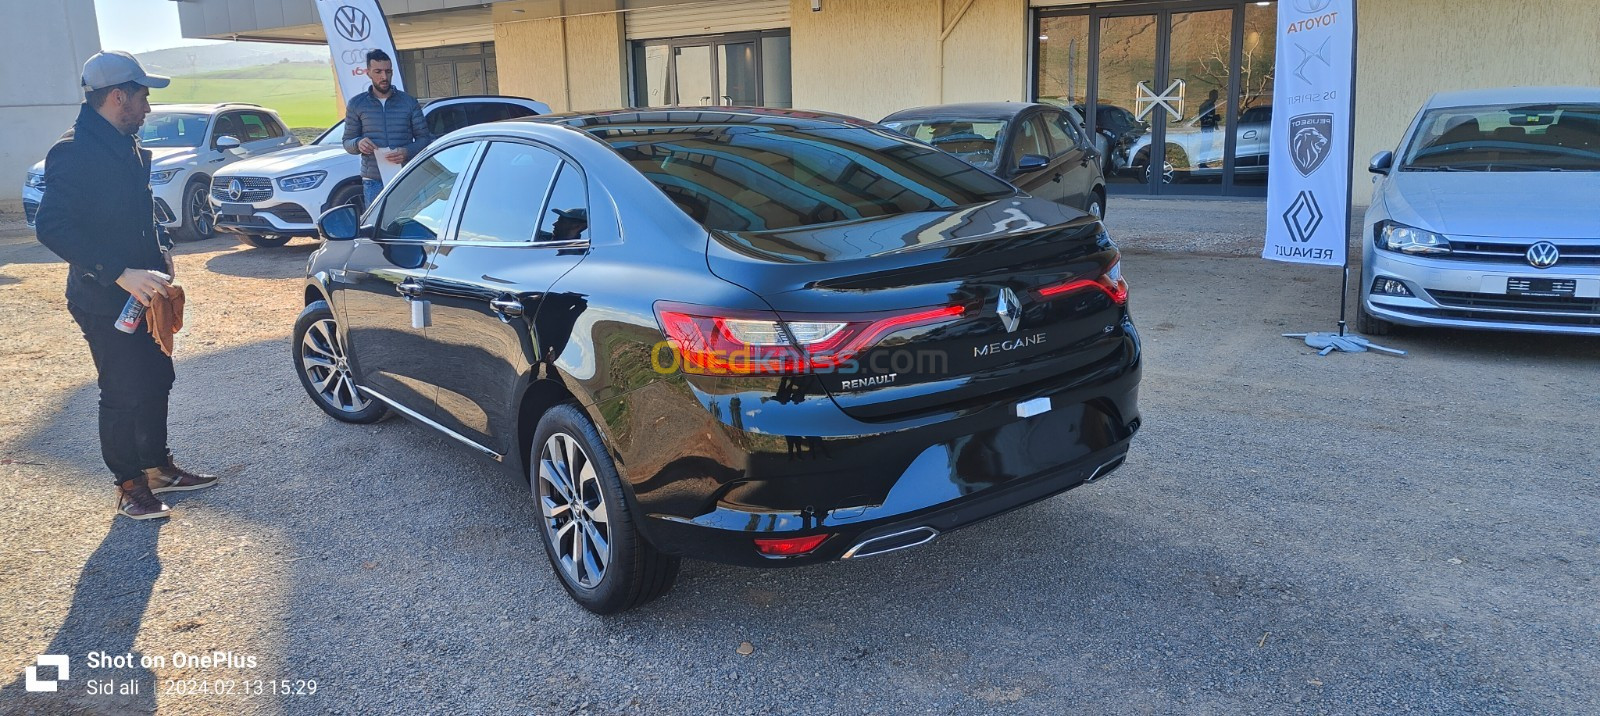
<point x="98" y="216"/>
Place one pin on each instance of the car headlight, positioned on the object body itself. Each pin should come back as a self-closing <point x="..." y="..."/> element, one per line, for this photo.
<point x="302" y="182"/>
<point x="34" y="181"/>
<point x="1410" y="240"/>
<point x="162" y="176"/>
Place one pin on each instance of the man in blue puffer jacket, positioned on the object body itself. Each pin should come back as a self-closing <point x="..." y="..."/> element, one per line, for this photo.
<point x="383" y="119"/>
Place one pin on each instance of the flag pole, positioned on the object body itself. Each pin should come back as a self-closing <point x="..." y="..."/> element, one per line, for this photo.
<point x="1350" y="189"/>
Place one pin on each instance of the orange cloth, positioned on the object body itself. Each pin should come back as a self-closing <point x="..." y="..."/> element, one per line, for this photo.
<point x="164" y="318"/>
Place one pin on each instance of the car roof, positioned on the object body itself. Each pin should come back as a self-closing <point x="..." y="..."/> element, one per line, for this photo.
<point x="207" y="108"/>
<point x="1513" y="95"/>
<point x="970" y="110"/>
<point x="701" y="116"/>
<point x="452" y="99"/>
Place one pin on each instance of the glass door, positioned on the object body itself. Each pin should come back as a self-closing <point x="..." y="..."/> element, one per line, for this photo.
<point x="1127" y="79"/>
<point x="1196" y="123"/>
<point x="691" y="69"/>
<point x="746" y="70"/>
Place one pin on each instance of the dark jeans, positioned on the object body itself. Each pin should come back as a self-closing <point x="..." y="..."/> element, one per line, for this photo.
<point x="370" y="189"/>
<point x="135" y="378"/>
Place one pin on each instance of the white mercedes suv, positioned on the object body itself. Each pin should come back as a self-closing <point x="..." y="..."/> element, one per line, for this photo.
<point x="188" y="144"/>
<point x="268" y="201"/>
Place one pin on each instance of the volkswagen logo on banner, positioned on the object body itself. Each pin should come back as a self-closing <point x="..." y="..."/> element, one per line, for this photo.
<point x="352" y="24"/>
<point x="1543" y="255"/>
<point x="1310" y="141"/>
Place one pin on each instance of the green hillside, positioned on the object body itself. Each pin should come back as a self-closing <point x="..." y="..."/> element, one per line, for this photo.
<point x="303" y="93"/>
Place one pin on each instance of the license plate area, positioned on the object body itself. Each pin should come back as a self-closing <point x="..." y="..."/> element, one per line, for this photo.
<point x="1541" y="287"/>
<point x="236" y="209"/>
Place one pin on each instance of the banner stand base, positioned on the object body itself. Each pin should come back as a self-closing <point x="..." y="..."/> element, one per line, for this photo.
<point x="1326" y="343"/>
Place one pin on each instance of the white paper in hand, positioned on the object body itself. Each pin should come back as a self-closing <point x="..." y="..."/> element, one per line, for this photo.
<point x="386" y="169"/>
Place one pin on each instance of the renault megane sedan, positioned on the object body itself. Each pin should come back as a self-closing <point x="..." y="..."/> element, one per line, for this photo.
<point x="1488" y="216"/>
<point x="760" y="337"/>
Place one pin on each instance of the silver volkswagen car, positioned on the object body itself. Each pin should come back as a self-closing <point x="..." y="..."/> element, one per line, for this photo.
<point x="1489" y="216"/>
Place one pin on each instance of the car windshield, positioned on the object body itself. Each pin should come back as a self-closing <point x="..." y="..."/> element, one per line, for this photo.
<point x="173" y="129"/>
<point x="334" y="135"/>
<point x="1507" y="138"/>
<point x="971" y="139"/>
<point x="762" y="178"/>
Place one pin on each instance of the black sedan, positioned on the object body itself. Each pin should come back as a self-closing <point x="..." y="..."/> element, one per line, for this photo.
<point x="1040" y="148"/>
<point x="761" y="337"/>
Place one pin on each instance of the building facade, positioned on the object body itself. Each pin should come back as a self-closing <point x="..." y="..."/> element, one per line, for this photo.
<point x="43" y="46"/>
<point x="1181" y="90"/>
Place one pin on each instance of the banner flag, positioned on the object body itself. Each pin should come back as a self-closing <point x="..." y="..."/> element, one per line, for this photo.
<point x="355" y="27"/>
<point x="1308" y="189"/>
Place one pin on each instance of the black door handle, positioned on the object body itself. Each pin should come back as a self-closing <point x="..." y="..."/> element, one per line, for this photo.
<point x="1057" y="178"/>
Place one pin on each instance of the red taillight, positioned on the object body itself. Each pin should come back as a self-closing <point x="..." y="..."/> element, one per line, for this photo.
<point x="717" y="342"/>
<point x="789" y="546"/>
<point x="1110" y="283"/>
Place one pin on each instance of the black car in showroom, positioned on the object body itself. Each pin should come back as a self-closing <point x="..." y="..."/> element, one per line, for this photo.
<point x="760" y="337"/>
<point x="1041" y="148"/>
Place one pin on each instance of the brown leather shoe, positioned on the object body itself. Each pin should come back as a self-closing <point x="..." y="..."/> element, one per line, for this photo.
<point x="171" y="478"/>
<point x="135" y="500"/>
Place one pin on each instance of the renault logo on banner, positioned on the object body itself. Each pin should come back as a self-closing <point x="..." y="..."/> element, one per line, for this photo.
<point x="1543" y="255"/>
<point x="351" y="23"/>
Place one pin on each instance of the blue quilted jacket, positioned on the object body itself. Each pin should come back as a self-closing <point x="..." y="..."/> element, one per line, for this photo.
<point x="396" y="122"/>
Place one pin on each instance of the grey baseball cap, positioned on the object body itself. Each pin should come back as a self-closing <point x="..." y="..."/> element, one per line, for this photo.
<point x="107" y="69"/>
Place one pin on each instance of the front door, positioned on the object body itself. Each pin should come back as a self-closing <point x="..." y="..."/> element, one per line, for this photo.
<point x="384" y="275"/>
<point x="524" y="224"/>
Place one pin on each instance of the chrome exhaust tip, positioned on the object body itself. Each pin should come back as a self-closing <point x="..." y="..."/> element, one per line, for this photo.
<point x="1106" y="469"/>
<point x="892" y="542"/>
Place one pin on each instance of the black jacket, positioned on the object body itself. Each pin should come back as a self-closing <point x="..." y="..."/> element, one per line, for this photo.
<point x="97" y="212"/>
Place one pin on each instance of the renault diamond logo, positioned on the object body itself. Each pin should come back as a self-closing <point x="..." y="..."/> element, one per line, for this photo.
<point x="351" y="23"/>
<point x="1543" y="255"/>
<point x="1010" y="310"/>
<point x="1303" y="217"/>
<point x="235" y="189"/>
<point x="1310" y="141"/>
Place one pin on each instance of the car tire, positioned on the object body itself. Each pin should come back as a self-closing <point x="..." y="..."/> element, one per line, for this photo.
<point x="351" y="194"/>
<point x="199" y="221"/>
<point x="1368" y="324"/>
<point x="263" y="242"/>
<point x="322" y="362"/>
<point x="1097" y="204"/>
<point x="585" y="521"/>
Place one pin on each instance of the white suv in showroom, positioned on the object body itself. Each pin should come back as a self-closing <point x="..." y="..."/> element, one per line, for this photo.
<point x="188" y="144"/>
<point x="268" y="201"/>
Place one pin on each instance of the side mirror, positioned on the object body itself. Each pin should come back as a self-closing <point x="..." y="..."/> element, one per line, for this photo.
<point x="227" y="141"/>
<point x="1382" y="162"/>
<point x="1032" y="163"/>
<point x="341" y="223"/>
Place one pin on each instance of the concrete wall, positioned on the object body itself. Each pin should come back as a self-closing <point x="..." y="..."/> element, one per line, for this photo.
<point x="986" y="54"/>
<point x="1410" y="49"/>
<point x="51" y="40"/>
<point x="573" y="63"/>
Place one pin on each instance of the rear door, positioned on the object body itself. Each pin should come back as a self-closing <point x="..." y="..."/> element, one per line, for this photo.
<point x="523" y="225"/>
<point x="384" y="276"/>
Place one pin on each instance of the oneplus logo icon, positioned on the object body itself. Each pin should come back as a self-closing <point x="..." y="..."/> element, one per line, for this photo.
<point x="32" y="682"/>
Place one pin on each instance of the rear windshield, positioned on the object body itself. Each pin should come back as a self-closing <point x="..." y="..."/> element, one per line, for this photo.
<point x="757" y="178"/>
<point x="971" y="139"/>
<point x="1517" y="138"/>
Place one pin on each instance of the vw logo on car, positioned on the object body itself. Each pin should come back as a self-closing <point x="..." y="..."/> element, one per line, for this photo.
<point x="1543" y="255"/>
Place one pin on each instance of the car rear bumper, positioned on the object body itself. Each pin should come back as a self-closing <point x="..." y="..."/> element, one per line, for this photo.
<point x="1452" y="293"/>
<point x="945" y="473"/>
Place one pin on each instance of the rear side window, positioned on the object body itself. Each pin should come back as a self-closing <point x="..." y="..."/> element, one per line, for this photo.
<point x="757" y="178"/>
<point x="512" y="178"/>
<point x="255" y="127"/>
<point x="566" y="214"/>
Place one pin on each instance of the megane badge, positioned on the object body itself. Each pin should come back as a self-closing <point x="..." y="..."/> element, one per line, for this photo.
<point x="1543" y="255"/>
<point x="235" y="189"/>
<point x="1010" y="310"/>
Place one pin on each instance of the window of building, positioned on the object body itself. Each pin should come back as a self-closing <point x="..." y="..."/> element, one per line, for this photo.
<point x="745" y="69"/>
<point x="450" y="70"/>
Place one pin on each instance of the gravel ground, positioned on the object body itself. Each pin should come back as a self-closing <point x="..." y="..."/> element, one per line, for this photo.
<point x="1352" y="534"/>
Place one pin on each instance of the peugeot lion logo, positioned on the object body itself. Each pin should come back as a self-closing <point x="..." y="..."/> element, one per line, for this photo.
<point x="1310" y="141"/>
<point x="1009" y="309"/>
<point x="235" y="189"/>
<point x="351" y="23"/>
<point x="1543" y="255"/>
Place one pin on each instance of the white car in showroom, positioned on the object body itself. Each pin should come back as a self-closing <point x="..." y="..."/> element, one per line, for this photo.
<point x="189" y="143"/>
<point x="268" y="201"/>
<point x="1487" y="216"/>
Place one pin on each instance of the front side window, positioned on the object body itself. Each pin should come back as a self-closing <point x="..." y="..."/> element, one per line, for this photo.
<point x="1063" y="136"/>
<point x="974" y="140"/>
<point x="1029" y="140"/>
<point x="762" y="178"/>
<point x="333" y="137"/>
<point x="511" y="179"/>
<point x="418" y="207"/>
<point x="169" y="129"/>
<point x="1545" y="137"/>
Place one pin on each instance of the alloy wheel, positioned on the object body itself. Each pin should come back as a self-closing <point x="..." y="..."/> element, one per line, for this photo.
<point x="200" y="216"/>
<point x="573" y="510"/>
<point x="324" y="361"/>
